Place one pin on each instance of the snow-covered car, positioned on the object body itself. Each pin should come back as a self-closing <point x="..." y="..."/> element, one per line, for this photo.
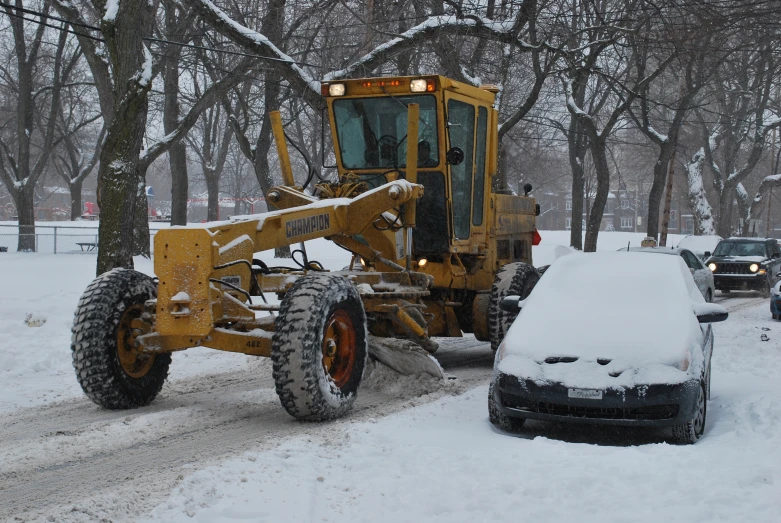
<point x="702" y="275"/>
<point x="701" y="246"/>
<point x="745" y="264"/>
<point x="775" y="300"/>
<point x="618" y="338"/>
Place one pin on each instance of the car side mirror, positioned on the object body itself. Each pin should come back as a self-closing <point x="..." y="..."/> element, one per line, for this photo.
<point x="707" y="254"/>
<point x="710" y="313"/>
<point x="511" y="304"/>
<point x="455" y="156"/>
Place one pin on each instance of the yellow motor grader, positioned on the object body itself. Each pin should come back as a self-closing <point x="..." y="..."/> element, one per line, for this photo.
<point x="434" y="252"/>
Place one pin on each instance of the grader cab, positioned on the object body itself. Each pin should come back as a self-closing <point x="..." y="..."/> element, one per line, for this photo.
<point x="434" y="251"/>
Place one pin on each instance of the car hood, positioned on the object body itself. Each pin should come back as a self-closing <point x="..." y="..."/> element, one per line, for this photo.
<point x="737" y="259"/>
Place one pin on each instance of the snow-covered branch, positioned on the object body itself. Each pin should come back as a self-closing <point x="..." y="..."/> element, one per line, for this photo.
<point x="309" y="87"/>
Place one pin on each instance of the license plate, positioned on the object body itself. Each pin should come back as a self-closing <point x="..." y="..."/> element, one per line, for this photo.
<point x="585" y="394"/>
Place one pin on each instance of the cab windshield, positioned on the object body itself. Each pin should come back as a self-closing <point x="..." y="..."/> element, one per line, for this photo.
<point x="372" y="132"/>
<point x="727" y="248"/>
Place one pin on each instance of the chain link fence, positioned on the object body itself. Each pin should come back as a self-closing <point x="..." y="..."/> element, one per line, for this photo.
<point x="55" y="239"/>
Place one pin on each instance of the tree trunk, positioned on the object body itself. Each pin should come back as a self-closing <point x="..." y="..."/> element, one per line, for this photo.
<point x="272" y="24"/>
<point x="213" y="190"/>
<point x="25" y="210"/>
<point x="724" y="227"/>
<point x="656" y="192"/>
<point x="576" y="157"/>
<point x="668" y="198"/>
<point x="177" y="154"/>
<point x="141" y="236"/>
<point x="599" y="156"/>
<point x="119" y="185"/>
<point x="177" y="162"/>
<point x="75" y="190"/>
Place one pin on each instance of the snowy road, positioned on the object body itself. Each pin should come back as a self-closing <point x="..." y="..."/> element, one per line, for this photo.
<point x="62" y="454"/>
<point x="74" y="461"/>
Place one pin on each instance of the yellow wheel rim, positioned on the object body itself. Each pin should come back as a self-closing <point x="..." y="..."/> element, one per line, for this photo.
<point x="339" y="344"/>
<point x="135" y="363"/>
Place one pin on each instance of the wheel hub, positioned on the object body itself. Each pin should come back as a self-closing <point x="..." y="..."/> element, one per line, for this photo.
<point x="135" y="363"/>
<point x="339" y="347"/>
<point x="699" y="419"/>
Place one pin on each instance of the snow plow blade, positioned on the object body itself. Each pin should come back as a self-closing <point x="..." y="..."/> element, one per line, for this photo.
<point x="404" y="357"/>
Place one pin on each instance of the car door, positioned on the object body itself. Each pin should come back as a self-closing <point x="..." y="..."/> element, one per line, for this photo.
<point x="775" y="259"/>
<point x="701" y="274"/>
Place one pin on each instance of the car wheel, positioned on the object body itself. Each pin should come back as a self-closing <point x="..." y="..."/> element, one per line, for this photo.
<point x="709" y="296"/>
<point x="776" y="316"/>
<point x="499" y="420"/>
<point x="691" y="431"/>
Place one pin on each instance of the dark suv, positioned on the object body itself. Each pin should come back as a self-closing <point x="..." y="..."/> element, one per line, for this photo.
<point x="745" y="264"/>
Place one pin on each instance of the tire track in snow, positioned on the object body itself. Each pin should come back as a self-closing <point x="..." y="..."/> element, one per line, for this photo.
<point x="76" y="462"/>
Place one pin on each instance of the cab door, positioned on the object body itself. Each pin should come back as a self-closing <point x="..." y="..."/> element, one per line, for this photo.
<point x="461" y="116"/>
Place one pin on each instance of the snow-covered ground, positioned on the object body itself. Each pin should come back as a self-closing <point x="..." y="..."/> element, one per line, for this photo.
<point x="437" y="459"/>
<point x="444" y="462"/>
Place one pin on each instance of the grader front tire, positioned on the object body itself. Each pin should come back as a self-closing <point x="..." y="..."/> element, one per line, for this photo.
<point x="109" y="368"/>
<point x="514" y="279"/>
<point x="319" y="348"/>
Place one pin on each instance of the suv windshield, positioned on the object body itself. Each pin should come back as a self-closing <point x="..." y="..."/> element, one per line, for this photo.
<point x="372" y="132"/>
<point x="727" y="248"/>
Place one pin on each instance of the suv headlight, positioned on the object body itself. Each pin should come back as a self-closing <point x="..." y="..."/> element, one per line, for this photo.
<point x="753" y="267"/>
<point x="712" y="267"/>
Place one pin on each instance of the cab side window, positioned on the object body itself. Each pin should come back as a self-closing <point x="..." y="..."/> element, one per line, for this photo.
<point x="461" y="123"/>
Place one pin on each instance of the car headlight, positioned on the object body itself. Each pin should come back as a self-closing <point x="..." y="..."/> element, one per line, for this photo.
<point x="683" y="365"/>
<point x="500" y="352"/>
<point x="712" y="267"/>
<point x="753" y="267"/>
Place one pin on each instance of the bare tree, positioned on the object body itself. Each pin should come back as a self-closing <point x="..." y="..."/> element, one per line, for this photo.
<point x="737" y="139"/>
<point x="25" y="152"/>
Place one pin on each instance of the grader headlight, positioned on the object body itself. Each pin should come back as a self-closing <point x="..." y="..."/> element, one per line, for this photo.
<point x="421" y="85"/>
<point x="336" y="90"/>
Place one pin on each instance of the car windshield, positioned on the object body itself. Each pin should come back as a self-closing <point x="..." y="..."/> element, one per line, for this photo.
<point x="728" y="248"/>
<point x="372" y="132"/>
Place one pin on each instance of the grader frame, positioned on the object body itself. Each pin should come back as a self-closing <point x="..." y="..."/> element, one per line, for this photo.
<point x="438" y="251"/>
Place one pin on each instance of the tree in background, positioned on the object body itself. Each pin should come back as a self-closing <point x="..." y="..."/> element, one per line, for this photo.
<point x="33" y="89"/>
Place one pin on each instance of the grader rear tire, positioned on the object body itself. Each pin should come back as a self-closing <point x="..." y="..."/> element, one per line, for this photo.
<point x="110" y="370"/>
<point x="514" y="279"/>
<point x="319" y="348"/>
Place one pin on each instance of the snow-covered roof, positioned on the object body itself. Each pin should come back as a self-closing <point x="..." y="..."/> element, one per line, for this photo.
<point x="630" y="308"/>
<point x="699" y="244"/>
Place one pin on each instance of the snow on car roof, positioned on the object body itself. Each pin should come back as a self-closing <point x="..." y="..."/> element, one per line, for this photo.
<point x="699" y="244"/>
<point x="659" y="250"/>
<point x="623" y="306"/>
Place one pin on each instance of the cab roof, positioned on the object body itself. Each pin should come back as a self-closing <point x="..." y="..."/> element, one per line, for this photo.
<point x="395" y="85"/>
